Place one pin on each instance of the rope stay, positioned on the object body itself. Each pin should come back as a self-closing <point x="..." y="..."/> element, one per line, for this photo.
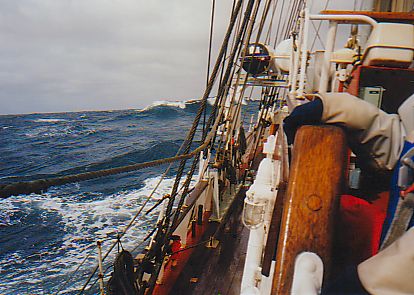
<point x="227" y="79"/>
<point x="136" y="218"/>
<point x="207" y="139"/>
<point x="213" y="9"/>
<point x="37" y="186"/>
<point x="40" y="185"/>
<point x="163" y="229"/>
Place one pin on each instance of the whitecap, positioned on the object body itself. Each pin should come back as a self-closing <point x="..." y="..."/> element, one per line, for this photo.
<point x="83" y="222"/>
<point x="175" y="104"/>
<point x="49" y="120"/>
<point x="182" y="104"/>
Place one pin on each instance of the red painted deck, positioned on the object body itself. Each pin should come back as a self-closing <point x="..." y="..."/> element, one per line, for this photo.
<point x="219" y="270"/>
<point x="171" y="273"/>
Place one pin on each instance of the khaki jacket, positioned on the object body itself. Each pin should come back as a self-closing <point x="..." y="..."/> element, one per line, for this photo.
<point x="391" y="271"/>
<point x="373" y="134"/>
<point x="379" y="136"/>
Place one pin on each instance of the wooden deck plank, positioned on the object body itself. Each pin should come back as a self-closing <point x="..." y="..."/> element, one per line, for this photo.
<point x="218" y="271"/>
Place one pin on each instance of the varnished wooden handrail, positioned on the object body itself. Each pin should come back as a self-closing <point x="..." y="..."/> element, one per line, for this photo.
<point x="315" y="182"/>
<point x="399" y="17"/>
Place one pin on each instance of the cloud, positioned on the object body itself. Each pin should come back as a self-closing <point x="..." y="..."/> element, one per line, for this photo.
<point x="100" y="54"/>
<point x="103" y="54"/>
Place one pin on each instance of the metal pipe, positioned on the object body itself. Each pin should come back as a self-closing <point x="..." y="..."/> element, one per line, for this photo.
<point x="304" y="49"/>
<point x="200" y="215"/>
<point x="326" y="67"/>
<point x="292" y="53"/>
<point x="100" y="274"/>
<point x="334" y="19"/>
<point x="344" y="18"/>
<point x="296" y="59"/>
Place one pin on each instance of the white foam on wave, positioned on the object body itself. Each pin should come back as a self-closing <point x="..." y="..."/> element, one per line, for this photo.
<point x="175" y="103"/>
<point x="57" y="131"/>
<point x="49" y="120"/>
<point x="83" y="222"/>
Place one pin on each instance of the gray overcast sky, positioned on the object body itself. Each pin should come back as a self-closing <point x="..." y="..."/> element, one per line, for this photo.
<point x="68" y="55"/>
<point x="100" y="54"/>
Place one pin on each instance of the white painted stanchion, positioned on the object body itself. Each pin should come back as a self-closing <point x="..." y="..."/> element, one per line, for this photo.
<point x="308" y="275"/>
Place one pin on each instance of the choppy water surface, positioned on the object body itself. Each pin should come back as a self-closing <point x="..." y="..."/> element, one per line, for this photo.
<point x="43" y="238"/>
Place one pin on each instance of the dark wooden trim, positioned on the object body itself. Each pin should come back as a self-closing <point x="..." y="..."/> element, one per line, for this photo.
<point x="274" y="229"/>
<point x="399" y="17"/>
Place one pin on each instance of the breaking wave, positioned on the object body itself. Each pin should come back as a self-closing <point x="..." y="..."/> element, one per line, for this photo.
<point x="49" y="120"/>
<point x="45" y="237"/>
<point x="45" y="260"/>
<point x="174" y="106"/>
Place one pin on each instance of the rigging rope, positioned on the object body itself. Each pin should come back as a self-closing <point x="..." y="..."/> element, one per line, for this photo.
<point x="132" y="221"/>
<point x="163" y="230"/>
<point x="166" y="227"/>
<point x="244" y="44"/>
<point x="209" y="55"/>
<point x="106" y="255"/>
<point x="76" y="270"/>
<point x="317" y="29"/>
<point x="269" y="30"/>
<point x="197" y="118"/>
<point x="264" y="17"/>
<point x="187" y="183"/>
<point x="279" y="24"/>
<point x="37" y="186"/>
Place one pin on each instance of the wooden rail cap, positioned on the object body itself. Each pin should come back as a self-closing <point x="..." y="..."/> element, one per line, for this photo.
<point x="315" y="182"/>
<point x="394" y="17"/>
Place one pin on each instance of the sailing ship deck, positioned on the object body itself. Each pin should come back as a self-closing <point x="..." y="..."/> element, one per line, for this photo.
<point x="217" y="270"/>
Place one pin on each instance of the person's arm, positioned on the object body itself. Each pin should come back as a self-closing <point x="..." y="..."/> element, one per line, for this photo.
<point x="372" y="132"/>
<point x="373" y="135"/>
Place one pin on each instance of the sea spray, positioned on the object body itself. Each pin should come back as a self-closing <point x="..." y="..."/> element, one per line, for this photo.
<point x="45" y="237"/>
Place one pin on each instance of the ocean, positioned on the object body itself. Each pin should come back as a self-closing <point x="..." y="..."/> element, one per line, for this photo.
<point x="45" y="237"/>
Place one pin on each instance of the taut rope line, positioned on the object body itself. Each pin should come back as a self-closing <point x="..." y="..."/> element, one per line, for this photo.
<point x="37" y="186"/>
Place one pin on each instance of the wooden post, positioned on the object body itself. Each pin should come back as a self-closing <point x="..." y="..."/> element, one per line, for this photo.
<point x="193" y="228"/>
<point x="100" y="274"/>
<point x="200" y="215"/>
<point x="315" y="182"/>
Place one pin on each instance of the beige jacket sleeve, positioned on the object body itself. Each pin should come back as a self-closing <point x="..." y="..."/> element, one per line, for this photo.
<point x="376" y="134"/>
<point x="391" y="271"/>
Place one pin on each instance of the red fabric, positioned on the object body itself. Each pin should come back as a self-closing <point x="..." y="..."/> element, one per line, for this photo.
<point x="175" y="246"/>
<point x="360" y="228"/>
<point x="407" y="191"/>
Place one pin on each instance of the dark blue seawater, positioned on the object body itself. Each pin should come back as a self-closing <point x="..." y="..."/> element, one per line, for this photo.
<point x="43" y="238"/>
